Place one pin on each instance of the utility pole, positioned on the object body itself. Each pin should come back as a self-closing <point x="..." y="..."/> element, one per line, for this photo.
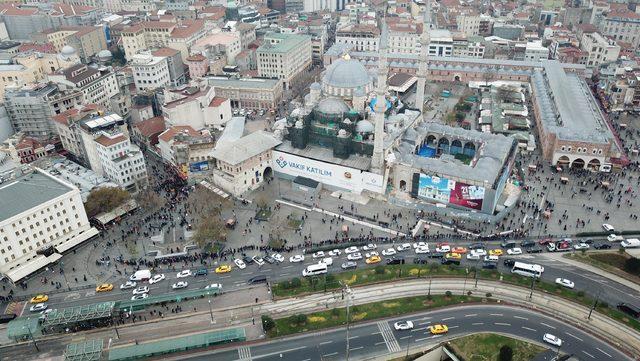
<point x="347" y="290"/>
<point x="533" y="282"/>
<point x="595" y="304"/>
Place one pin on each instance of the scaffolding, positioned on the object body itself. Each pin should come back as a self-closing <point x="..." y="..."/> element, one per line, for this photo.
<point x="84" y="351"/>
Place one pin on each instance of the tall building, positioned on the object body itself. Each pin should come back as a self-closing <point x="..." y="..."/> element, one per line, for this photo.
<point x="86" y="40"/>
<point x="97" y="85"/>
<point x="150" y="72"/>
<point x="284" y="56"/>
<point x="622" y="26"/>
<point x="363" y="37"/>
<point x="122" y="162"/>
<point x="600" y="50"/>
<point x="31" y="108"/>
<point x="40" y="218"/>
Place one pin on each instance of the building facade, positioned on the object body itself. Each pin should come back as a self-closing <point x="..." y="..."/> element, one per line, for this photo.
<point x="150" y="72"/>
<point x="284" y="56"/>
<point x="599" y="49"/>
<point x="122" y="162"/>
<point x="249" y="93"/>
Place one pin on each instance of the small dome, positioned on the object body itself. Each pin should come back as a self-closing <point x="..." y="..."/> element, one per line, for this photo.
<point x="332" y="106"/>
<point x="68" y="50"/>
<point x="105" y="55"/>
<point x="299" y="124"/>
<point x="346" y="74"/>
<point x="342" y="133"/>
<point x="364" y="126"/>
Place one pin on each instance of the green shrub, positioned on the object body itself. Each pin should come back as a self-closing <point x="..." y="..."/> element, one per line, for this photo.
<point x="379" y="270"/>
<point x="488" y="295"/>
<point x="632" y="265"/>
<point x="267" y="323"/>
<point x="506" y="353"/>
<point x="448" y="293"/>
<point x="295" y="282"/>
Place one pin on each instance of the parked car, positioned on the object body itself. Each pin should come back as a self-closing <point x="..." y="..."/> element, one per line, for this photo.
<point x="278" y="257"/>
<point x="139" y="297"/>
<point x="535" y="249"/>
<point x="580" y="246"/>
<point x="258" y="260"/>
<point x="38" y="307"/>
<point x="395" y="260"/>
<point x="140" y="290"/>
<point x="349" y="265"/>
<point x="420" y="260"/>
<point x="352" y="249"/>
<point x="335" y="252"/>
<point x="602" y="245"/>
<point x="565" y="282"/>
<point x="201" y="272"/>
<point x="319" y="254"/>
<point x="180" y="285"/>
<point x="239" y="263"/>
<point x="508" y="262"/>
<point x="127" y="285"/>
<point x="296" y="258"/>
<point x="607" y="227"/>
<point x="354" y="256"/>
<point x="183" y="274"/>
<point x="527" y="244"/>
<point x="370" y="247"/>
<point x="403" y="325"/>
<point x="157" y="278"/>
<point x="269" y="260"/>
<point x="514" y="251"/>
<point x="389" y="252"/>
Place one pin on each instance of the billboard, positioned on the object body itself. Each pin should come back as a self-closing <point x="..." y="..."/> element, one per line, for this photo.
<point x="331" y="174"/>
<point x="444" y="190"/>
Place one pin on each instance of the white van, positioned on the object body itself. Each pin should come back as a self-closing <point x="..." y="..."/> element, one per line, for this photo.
<point x="314" y="270"/>
<point x="327" y="260"/>
<point x="630" y="243"/>
<point x="142" y="275"/>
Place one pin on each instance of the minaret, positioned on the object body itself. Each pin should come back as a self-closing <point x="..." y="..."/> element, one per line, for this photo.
<point x="377" y="161"/>
<point x="423" y="65"/>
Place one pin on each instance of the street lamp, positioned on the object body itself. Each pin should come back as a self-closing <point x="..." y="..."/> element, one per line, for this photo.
<point x="595" y="303"/>
<point x="210" y="310"/>
<point x="347" y="290"/>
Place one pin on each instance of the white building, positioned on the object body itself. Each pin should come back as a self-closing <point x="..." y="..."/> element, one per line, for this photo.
<point x="150" y="72"/>
<point x="38" y="211"/>
<point x="196" y="107"/>
<point x="122" y="161"/>
<point x="98" y="85"/>
<point x="534" y="51"/>
<point x="600" y="49"/>
<point x="404" y="37"/>
<point x="361" y="36"/>
<point x="284" y="56"/>
<point x="441" y="43"/>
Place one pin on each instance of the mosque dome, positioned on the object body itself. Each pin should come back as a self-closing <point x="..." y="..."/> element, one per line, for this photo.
<point x="346" y="73"/>
<point x="364" y="126"/>
<point x="68" y="50"/>
<point x="342" y="133"/>
<point x="104" y="55"/>
<point x="315" y="86"/>
<point x="332" y="106"/>
<point x="299" y="124"/>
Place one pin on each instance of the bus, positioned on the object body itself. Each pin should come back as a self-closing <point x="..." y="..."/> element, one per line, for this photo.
<point x="315" y="269"/>
<point x="527" y="269"/>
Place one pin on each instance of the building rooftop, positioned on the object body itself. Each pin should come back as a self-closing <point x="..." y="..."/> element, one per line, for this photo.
<point x="151" y="126"/>
<point x="282" y="43"/>
<point x="28" y="191"/>
<point x="567" y="106"/>
<point x="233" y="130"/>
<point x="324" y="154"/>
<point x="247" y="83"/>
<point x="246" y="147"/>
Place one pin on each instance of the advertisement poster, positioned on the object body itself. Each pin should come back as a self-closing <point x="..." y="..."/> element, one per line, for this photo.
<point x="435" y="188"/>
<point x="467" y="196"/>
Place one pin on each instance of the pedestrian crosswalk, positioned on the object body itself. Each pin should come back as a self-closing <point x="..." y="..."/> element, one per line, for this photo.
<point x="244" y="353"/>
<point x="389" y="338"/>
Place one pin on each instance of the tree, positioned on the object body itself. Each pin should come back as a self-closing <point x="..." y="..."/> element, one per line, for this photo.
<point x="506" y="353"/>
<point x="209" y="228"/>
<point x="105" y="199"/>
<point x="268" y="323"/>
<point x="632" y="265"/>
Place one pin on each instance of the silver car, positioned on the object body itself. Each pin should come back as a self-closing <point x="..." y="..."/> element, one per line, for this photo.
<point x="349" y="265"/>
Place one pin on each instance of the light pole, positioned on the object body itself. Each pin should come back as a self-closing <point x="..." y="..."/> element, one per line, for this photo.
<point x="464" y="287"/>
<point x="32" y="338"/>
<point x="347" y="290"/>
<point x="210" y="310"/>
<point x="533" y="282"/>
<point x="595" y="304"/>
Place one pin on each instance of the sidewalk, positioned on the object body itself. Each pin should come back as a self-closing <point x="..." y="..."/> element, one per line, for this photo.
<point x="596" y="270"/>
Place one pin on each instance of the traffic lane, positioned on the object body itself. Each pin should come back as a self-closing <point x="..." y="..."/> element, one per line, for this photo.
<point x="515" y="321"/>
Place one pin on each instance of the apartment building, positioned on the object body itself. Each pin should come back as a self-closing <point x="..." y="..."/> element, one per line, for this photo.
<point x="30" y="67"/>
<point x="440" y="43"/>
<point x="97" y="85"/>
<point x="177" y="75"/>
<point x="186" y="148"/>
<point x="86" y="40"/>
<point x="248" y="93"/>
<point x="622" y="25"/>
<point x="284" y="56"/>
<point x="157" y="34"/>
<point x="196" y="107"/>
<point x="600" y="50"/>
<point x="361" y="36"/>
<point x="404" y="37"/>
<point x="150" y="72"/>
<point x="122" y="162"/>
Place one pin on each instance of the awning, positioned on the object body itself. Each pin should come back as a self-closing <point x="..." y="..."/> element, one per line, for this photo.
<point x="32" y="266"/>
<point x="63" y="247"/>
<point x="107" y="217"/>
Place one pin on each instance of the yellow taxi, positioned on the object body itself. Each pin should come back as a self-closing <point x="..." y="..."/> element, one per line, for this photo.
<point x="456" y="256"/>
<point x="105" y="287"/>
<point x="40" y="299"/>
<point x="373" y="259"/>
<point x="223" y="269"/>
<point x="496" y="252"/>
<point x="438" y="329"/>
<point x="459" y="250"/>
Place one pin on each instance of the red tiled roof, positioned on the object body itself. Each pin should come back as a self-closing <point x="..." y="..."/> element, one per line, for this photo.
<point x="165" y="52"/>
<point x="71" y="10"/>
<point x="27" y="142"/>
<point x="187" y="29"/>
<point x="196" y="57"/>
<point x="107" y="141"/>
<point x="42" y="48"/>
<point x="63" y="118"/>
<point x="151" y="126"/>
<point x="217" y="101"/>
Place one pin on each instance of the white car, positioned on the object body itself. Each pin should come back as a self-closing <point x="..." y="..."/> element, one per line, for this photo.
<point x="370" y="247"/>
<point x="444" y="249"/>
<point x="318" y="254"/>
<point x="422" y="250"/>
<point x="371" y="254"/>
<point x="183" y="274"/>
<point x="554" y="340"/>
<point x="335" y="252"/>
<point x="38" y="307"/>
<point x="156" y="278"/>
<point x="473" y="256"/>
<point x="480" y="252"/>
<point x="139" y="297"/>
<point x="127" y="285"/>
<point x="352" y="249"/>
<point x="614" y="238"/>
<point x="297" y="258"/>
<point x="214" y="285"/>
<point x="327" y="260"/>
<point x="514" y="251"/>
<point x="179" y="285"/>
<point x="420" y="244"/>
<point x="278" y="257"/>
<point x="141" y="290"/>
<point x="403" y="247"/>
<point x="580" y="246"/>
<point x="565" y="282"/>
<point x="239" y="263"/>
<point x="491" y="259"/>
<point x="403" y="325"/>
<point x="354" y="256"/>
<point x="607" y="227"/>
<point x="258" y="260"/>
<point x="389" y="252"/>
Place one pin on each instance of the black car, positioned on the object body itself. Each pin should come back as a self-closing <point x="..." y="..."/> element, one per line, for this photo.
<point x="536" y="249"/>
<point x="248" y="260"/>
<point x="602" y="245"/>
<point x="269" y="260"/>
<point x="450" y="261"/>
<point x="508" y="244"/>
<point x="395" y="260"/>
<point x="419" y="260"/>
<point x="509" y="262"/>
<point x="257" y="279"/>
<point x="436" y="255"/>
<point x="527" y="244"/>
<point x="476" y="246"/>
<point x="587" y="240"/>
<point x="489" y="265"/>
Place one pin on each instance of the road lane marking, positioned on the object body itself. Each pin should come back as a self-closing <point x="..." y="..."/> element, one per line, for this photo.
<point x="380" y="343"/>
<point x="353" y="337"/>
<point x="495" y="314"/>
<point x="325" y="343"/>
<point x="284" y="274"/>
<point x="244" y="353"/>
<point x="375" y="333"/>
<point x="471" y="315"/>
<point x="574" y="336"/>
<point x="452" y="327"/>
<point x="405" y="337"/>
<point x="588" y="354"/>
<point x="330" y="354"/>
<point x="521" y="318"/>
<point x="389" y="338"/>
<point x="544" y="324"/>
<point x="500" y="323"/>
<point x="278" y="352"/>
<point x="448" y="318"/>
<point x="286" y="267"/>
<point x="426" y="318"/>
<point x="424" y="323"/>
<point x="477" y="323"/>
<point x="527" y="328"/>
<point x="356" y="348"/>
<point x="603" y="351"/>
<point x="418" y="329"/>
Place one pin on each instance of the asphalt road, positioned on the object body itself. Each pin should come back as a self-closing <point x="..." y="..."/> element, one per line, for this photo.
<point x="380" y="338"/>
<point x="592" y="284"/>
